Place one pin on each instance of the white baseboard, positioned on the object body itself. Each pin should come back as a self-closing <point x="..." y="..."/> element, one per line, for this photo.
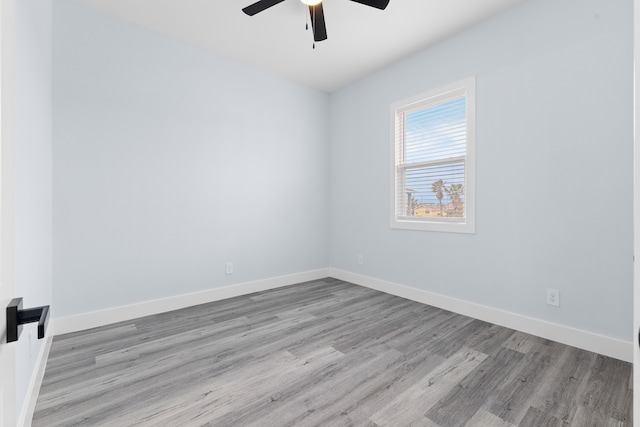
<point x="29" y="406"/>
<point x="612" y="347"/>
<point x="65" y="325"/>
<point x="607" y="346"/>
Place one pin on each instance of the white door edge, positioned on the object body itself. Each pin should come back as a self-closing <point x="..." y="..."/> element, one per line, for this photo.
<point x="8" y="409"/>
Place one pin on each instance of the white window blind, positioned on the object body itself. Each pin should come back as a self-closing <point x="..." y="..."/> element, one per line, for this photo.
<point x="433" y="155"/>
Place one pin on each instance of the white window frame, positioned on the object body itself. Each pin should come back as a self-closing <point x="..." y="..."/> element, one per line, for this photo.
<point x="424" y="100"/>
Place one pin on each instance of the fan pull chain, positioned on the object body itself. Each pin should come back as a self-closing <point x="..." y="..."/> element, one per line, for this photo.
<point x="313" y="20"/>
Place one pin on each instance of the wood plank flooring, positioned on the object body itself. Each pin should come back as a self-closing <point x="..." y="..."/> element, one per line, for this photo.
<point x="325" y="353"/>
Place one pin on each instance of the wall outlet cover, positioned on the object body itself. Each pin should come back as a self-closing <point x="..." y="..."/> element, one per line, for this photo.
<point x="553" y="297"/>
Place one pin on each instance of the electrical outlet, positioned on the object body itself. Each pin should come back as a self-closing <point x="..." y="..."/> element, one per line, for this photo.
<point x="228" y="267"/>
<point x="553" y="297"/>
<point x="360" y="259"/>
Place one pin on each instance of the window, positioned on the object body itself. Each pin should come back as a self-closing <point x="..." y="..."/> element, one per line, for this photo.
<point x="433" y="160"/>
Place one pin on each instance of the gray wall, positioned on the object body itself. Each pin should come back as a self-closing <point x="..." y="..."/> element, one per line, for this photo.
<point x="554" y="167"/>
<point x="170" y="160"/>
<point x="33" y="172"/>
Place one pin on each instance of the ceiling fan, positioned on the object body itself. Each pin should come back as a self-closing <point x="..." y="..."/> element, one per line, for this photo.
<point x="315" y="10"/>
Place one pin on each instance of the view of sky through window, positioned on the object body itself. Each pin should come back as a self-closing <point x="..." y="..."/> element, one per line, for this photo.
<point x="434" y="156"/>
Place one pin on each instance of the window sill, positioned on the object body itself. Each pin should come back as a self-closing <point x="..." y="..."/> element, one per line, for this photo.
<point x="426" y="225"/>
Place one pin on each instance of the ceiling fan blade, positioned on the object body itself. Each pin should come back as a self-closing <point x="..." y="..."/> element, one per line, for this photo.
<point x="378" y="4"/>
<point x="260" y="6"/>
<point x="317" y="22"/>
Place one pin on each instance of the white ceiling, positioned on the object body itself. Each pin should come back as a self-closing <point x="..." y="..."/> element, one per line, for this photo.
<point x="361" y="39"/>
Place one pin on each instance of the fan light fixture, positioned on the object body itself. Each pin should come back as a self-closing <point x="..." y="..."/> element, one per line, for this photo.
<point x="316" y="13"/>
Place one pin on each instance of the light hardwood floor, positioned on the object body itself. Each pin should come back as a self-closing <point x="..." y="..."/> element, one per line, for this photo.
<point x="325" y="353"/>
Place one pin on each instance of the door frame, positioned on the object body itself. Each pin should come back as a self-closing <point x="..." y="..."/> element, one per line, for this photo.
<point x="8" y="402"/>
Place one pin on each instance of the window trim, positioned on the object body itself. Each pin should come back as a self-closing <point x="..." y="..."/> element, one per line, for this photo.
<point x="441" y="224"/>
